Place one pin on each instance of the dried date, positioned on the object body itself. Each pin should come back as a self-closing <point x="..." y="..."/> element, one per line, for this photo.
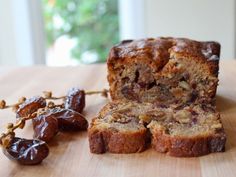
<point x="128" y="92"/>
<point x="75" y="100"/>
<point x="45" y="127"/>
<point x="69" y="120"/>
<point x="208" y="108"/>
<point x="27" y="151"/>
<point x="30" y="106"/>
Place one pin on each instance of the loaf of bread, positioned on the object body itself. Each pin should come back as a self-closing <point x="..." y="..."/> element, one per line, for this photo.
<point x="124" y="127"/>
<point x="163" y="93"/>
<point x="164" y="70"/>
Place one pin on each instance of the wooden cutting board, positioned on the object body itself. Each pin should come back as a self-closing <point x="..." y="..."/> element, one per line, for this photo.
<point x="69" y="152"/>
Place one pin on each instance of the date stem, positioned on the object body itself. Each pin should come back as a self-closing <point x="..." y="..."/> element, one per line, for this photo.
<point x="104" y="92"/>
<point x="48" y="96"/>
<point x="5" y="138"/>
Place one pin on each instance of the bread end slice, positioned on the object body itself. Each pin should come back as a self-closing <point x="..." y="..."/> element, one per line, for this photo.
<point x="114" y="132"/>
<point x="190" y="132"/>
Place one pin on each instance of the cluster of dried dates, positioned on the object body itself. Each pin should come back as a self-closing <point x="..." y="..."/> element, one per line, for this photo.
<point x="48" y="121"/>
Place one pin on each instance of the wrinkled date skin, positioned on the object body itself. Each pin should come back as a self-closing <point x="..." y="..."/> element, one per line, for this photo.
<point x="27" y="151"/>
<point x="75" y="100"/>
<point x="30" y="106"/>
<point x="45" y="127"/>
<point x="69" y="120"/>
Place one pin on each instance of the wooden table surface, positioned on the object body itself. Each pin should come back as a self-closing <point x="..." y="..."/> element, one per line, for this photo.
<point x="69" y="152"/>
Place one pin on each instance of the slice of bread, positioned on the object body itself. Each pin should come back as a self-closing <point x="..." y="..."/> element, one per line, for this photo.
<point x="164" y="70"/>
<point x="125" y="127"/>
<point x="116" y="132"/>
<point x="191" y="131"/>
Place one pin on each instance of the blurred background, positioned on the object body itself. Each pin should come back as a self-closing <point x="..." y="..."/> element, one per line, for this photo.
<point x="72" y="32"/>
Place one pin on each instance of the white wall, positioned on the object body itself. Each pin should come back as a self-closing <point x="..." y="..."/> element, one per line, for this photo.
<point x="132" y="19"/>
<point x="21" y="32"/>
<point x="7" y="47"/>
<point x="197" y="19"/>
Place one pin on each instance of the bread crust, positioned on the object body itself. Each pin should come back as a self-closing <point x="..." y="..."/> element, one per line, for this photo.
<point x="113" y="141"/>
<point x="160" y="50"/>
<point x="188" y="146"/>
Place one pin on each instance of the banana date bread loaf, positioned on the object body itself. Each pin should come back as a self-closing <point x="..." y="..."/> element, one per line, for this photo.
<point x="125" y="127"/>
<point x="164" y="70"/>
<point x="163" y="93"/>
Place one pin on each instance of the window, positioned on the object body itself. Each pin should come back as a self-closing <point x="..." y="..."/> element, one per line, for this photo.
<point x="80" y="31"/>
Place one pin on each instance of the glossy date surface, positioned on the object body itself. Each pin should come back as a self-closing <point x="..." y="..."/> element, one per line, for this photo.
<point x="75" y="100"/>
<point x="30" y="106"/>
<point x="45" y="127"/>
<point x="69" y="120"/>
<point x="26" y="151"/>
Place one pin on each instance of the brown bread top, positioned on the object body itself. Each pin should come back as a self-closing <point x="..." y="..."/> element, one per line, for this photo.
<point x="166" y="47"/>
<point x="160" y="50"/>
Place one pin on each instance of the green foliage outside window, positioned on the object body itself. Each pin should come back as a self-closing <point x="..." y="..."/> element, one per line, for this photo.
<point x="93" y="24"/>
